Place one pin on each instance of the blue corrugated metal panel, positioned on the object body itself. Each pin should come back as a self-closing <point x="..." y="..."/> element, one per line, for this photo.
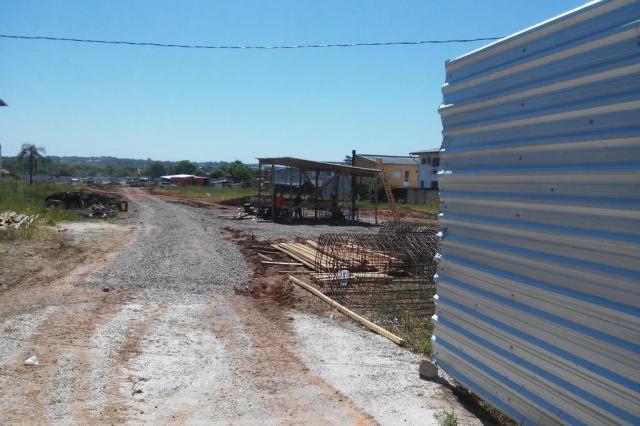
<point x="538" y="305"/>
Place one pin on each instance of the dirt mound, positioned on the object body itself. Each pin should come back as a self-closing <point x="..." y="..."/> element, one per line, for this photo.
<point x="266" y="282"/>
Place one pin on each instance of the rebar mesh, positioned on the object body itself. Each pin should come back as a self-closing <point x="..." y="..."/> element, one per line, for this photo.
<point x="391" y="270"/>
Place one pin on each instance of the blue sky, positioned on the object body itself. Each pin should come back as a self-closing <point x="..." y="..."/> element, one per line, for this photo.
<point x="171" y="104"/>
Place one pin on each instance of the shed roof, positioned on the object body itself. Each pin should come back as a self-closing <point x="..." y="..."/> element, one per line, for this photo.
<point x="402" y="160"/>
<point x="426" y="151"/>
<point x="320" y="166"/>
<point x="183" y="176"/>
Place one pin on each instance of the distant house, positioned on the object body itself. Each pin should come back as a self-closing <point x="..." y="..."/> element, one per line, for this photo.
<point x="186" y="180"/>
<point x="5" y="174"/>
<point x="401" y="171"/>
<point x="428" y="167"/>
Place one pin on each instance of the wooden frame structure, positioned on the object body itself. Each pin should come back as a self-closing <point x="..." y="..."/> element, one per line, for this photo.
<point x="267" y="190"/>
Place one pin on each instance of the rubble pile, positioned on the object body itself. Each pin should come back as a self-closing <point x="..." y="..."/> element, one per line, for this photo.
<point x="96" y="205"/>
<point x="13" y="220"/>
<point x="98" y="211"/>
<point x="80" y="200"/>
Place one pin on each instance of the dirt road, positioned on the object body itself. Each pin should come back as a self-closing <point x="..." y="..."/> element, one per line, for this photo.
<point x="149" y="330"/>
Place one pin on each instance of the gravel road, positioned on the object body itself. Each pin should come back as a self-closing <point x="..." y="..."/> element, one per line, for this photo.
<point x="170" y="342"/>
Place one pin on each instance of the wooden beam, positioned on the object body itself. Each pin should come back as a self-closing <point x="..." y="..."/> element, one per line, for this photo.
<point x="265" y="257"/>
<point x="371" y="326"/>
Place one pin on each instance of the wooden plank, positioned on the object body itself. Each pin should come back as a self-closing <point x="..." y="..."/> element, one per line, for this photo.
<point x="266" y="262"/>
<point x="298" y="258"/>
<point x="371" y="326"/>
<point x="265" y="257"/>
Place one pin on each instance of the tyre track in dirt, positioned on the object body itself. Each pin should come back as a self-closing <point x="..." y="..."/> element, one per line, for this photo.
<point x="170" y="342"/>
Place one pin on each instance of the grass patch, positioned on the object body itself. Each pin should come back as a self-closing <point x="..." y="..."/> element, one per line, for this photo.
<point x="416" y="330"/>
<point x="29" y="199"/>
<point x="206" y="192"/>
<point x="449" y="419"/>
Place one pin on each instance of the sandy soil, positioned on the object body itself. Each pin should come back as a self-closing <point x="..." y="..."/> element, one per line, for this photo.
<point x="144" y="352"/>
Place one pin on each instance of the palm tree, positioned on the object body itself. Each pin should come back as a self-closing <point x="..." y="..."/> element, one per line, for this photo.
<point x="30" y="155"/>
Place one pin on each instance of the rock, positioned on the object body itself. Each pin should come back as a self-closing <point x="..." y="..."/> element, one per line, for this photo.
<point x="428" y="370"/>
<point x="14" y="220"/>
<point x="32" y="360"/>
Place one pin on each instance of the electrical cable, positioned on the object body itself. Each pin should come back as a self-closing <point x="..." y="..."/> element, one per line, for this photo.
<point x="240" y="47"/>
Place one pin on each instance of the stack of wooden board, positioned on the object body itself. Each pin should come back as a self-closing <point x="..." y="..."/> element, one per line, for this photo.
<point x="302" y="252"/>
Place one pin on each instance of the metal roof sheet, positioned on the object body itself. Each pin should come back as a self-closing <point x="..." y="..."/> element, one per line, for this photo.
<point x="402" y="160"/>
<point x="320" y="166"/>
<point x="538" y="306"/>
<point x="426" y="151"/>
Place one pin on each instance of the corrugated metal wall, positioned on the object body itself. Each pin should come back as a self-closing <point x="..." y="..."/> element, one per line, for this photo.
<point x="538" y="305"/>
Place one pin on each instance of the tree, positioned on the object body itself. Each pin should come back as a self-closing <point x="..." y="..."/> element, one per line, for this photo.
<point x="239" y="172"/>
<point x="157" y="169"/>
<point x="347" y="159"/>
<point x="218" y="172"/>
<point x="185" y="167"/>
<point x="30" y="155"/>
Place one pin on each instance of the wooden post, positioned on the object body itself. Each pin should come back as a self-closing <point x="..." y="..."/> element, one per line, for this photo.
<point x="290" y="188"/>
<point x="353" y="186"/>
<point x="273" y="192"/>
<point x="371" y="326"/>
<point x="316" y="197"/>
<point x="375" y="198"/>
<point x="259" y="184"/>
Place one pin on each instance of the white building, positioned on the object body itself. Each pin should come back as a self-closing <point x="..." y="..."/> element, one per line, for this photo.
<point x="428" y="167"/>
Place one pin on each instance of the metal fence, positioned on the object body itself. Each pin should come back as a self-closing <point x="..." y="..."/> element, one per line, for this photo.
<point x="538" y="304"/>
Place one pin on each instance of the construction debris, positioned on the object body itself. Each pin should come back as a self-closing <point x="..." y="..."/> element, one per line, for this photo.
<point x="371" y="326"/>
<point x="86" y="200"/>
<point x="391" y="270"/>
<point x="13" y="220"/>
<point x="98" y="211"/>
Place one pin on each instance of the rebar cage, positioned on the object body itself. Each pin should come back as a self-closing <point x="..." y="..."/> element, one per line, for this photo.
<point x="392" y="270"/>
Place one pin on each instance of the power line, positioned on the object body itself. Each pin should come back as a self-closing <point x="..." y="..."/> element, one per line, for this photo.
<point x="272" y="47"/>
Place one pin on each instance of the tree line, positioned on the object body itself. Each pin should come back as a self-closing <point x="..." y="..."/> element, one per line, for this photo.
<point x="32" y="161"/>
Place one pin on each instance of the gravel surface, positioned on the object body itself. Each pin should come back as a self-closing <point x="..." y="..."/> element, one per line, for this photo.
<point x="172" y="343"/>
<point x="182" y="251"/>
<point x="268" y="230"/>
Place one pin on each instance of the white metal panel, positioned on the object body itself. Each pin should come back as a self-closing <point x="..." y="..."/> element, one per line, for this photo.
<point x="538" y="306"/>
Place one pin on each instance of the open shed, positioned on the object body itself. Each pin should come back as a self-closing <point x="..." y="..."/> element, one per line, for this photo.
<point x="304" y="186"/>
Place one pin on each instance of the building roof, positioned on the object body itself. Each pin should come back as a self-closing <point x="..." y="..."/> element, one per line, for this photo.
<point x="5" y="172"/>
<point x="2" y="103"/>
<point x="402" y="160"/>
<point x="426" y="151"/>
<point x="320" y="166"/>
<point x="183" y="176"/>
